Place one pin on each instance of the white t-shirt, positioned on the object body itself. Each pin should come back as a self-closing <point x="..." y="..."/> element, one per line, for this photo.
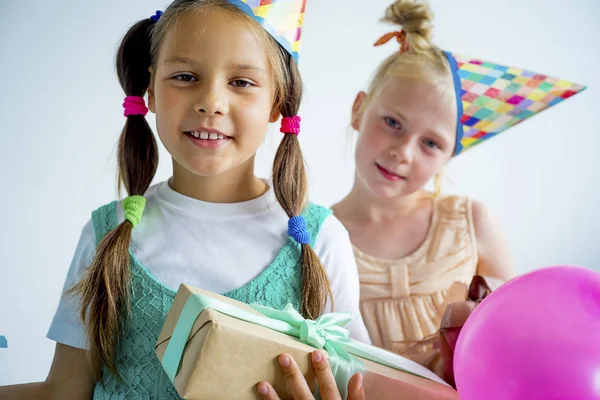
<point x="216" y="247"/>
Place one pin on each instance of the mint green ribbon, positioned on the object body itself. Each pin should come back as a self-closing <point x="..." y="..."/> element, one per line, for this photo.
<point x="326" y="332"/>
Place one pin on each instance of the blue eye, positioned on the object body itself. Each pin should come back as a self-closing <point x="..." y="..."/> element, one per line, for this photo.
<point x="431" y="144"/>
<point x="241" y="83"/>
<point x="392" y="123"/>
<point x="185" y="78"/>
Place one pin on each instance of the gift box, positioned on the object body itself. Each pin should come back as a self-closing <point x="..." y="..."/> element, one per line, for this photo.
<point x="213" y="347"/>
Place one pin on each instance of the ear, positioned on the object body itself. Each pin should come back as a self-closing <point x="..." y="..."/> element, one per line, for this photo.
<point x="356" y="109"/>
<point x="275" y="114"/>
<point x="151" y="100"/>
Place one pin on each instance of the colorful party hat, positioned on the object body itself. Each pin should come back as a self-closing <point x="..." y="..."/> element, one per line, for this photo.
<point x="491" y="98"/>
<point x="283" y="19"/>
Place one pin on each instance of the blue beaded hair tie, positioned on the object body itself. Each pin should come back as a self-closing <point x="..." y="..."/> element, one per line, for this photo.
<point x="156" y="16"/>
<point x="297" y="230"/>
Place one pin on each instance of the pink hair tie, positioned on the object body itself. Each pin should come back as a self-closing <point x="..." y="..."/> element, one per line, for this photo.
<point x="135" y="105"/>
<point x="291" y="125"/>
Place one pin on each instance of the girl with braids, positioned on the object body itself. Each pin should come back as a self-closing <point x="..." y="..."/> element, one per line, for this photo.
<point x="215" y="78"/>
<point x="411" y="244"/>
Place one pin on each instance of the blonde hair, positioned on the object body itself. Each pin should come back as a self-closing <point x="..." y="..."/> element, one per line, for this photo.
<point x="438" y="180"/>
<point x="421" y="60"/>
<point x="105" y="288"/>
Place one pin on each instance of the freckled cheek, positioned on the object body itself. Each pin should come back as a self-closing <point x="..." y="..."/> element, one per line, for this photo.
<point x="362" y="156"/>
<point x="171" y="99"/>
<point x="374" y="139"/>
<point x="425" y="169"/>
<point x="251" y="119"/>
<point x="251" y="107"/>
<point x="171" y="109"/>
<point x="368" y="149"/>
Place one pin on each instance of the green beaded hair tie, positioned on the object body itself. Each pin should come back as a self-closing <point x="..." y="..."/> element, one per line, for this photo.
<point x="134" y="208"/>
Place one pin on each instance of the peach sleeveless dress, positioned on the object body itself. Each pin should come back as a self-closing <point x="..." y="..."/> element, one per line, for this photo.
<point x="400" y="299"/>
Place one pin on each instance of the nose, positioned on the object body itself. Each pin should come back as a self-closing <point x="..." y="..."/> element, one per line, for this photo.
<point x="403" y="151"/>
<point x="212" y="99"/>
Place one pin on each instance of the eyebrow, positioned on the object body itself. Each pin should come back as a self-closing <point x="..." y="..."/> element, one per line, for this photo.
<point x="398" y="113"/>
<point x="189" y="61"/>
<point x="181" y="60"/>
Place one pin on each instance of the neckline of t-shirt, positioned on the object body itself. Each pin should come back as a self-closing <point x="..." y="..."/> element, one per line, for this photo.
<point x="206" y="210"/>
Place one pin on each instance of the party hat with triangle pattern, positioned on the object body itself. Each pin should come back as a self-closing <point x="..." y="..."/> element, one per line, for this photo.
<point x="283" y="19"/>
<point x="494" y="98"/>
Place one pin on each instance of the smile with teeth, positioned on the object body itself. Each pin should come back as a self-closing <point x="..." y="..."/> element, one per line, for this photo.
<point x="207" y="135"/>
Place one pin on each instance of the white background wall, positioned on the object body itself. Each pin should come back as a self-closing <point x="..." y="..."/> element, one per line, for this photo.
<point x="61" y="114"/>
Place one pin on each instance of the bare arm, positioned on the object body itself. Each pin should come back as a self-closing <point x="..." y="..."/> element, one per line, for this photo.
<point x="495" y="260"/>
<point x="70" y="378"/>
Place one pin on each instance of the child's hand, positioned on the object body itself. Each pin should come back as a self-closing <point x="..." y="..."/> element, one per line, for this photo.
<point x="299" y="387"/>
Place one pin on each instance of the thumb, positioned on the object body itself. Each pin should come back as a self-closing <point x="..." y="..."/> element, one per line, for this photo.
<point x="356" y="391"/>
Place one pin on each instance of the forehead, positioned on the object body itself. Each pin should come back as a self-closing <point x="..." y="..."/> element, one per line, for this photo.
<point x="217" y="35"/>
<point x="425" y="105"/>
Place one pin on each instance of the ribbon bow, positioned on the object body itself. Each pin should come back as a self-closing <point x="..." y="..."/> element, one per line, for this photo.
<point x="400" y="37"/>
<point x="317" y="333"/>
<point x="326" y="332"/>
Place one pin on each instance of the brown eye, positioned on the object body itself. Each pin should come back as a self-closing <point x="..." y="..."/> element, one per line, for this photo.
<point x="185" y="78"/>
<point x="241" y="83"/>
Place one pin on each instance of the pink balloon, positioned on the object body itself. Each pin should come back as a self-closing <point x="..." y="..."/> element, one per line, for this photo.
<point x="535" y="338"/>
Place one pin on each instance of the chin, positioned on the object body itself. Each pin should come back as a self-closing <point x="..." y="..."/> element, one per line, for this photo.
<point x="206" y="169"/>
<point x="210" y="171"/>
<point x="385" y="190"/>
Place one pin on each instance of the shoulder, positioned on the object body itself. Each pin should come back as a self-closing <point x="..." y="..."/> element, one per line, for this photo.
<point x="454" y="204"/>
<point x="478" y="214"/>
<point x="87" y="241"/>
<point x="484" y="221"/>
<point x="102" y="220"/>
<point x="317" y="212"/>
<point x="83" y="255"/>
<point x="493" y="249"/>
<point x="334" y="248"/>
<point x="332" y="230"/>
<point x="329" y="228"/>
<point x="486" y="227"/>
<point x="112" y="213"/>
